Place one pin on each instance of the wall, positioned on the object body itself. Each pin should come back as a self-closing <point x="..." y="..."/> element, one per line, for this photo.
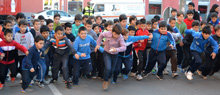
<point x="32" y="6"/>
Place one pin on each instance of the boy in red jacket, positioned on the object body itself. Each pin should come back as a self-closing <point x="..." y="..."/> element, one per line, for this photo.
<point x="140" y="48"/>
<point x="189" y="20"/>
<point x="8" y="62"/>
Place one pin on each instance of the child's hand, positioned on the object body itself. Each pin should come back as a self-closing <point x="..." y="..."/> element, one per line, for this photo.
<point x="139" y="44"/>
<point x="26" y="53"/>
<point x="2" y="55"/>
<point x="83" y="55"/>
<point x="113" y="50"/>
<point x="96" y="48"/>
<point x="76" y="56"/>
<point x="213" y="55"/>
<point x="32" y="70"/>
<point x="141" y="41"/>
<point x="181" y="43"/>
<point x="171" y="46"/>
<point x="150" y="36"/>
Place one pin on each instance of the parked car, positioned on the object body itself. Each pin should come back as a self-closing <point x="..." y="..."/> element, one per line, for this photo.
<point x="48" y="14"/>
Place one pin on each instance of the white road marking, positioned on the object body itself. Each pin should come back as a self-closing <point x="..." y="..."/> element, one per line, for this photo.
<point x="54" y="89"/>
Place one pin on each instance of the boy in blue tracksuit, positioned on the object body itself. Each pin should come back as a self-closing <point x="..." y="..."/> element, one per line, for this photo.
<point x="31" y="62"/>
<point x="126" y="56"/>
<point x="158" y="49"/>
<point x="198" y="46"/>
<point x="82" y="46"/>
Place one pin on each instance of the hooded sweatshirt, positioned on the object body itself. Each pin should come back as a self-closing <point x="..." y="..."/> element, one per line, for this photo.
<point x="26" y="39"/>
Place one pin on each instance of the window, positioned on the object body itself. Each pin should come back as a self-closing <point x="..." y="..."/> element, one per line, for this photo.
<point x="62" y="13"/>
<point x="74" y="7"/>
<point x="50" y="13"/>
<point x="154" y="8"/>
<point x="203" y="9"/>
<point x="99" y="8"/>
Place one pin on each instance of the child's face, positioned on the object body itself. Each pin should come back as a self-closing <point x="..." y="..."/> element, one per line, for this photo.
<point x="138" y="26"/>
<point x="78" y="22"/>
<point x="109" y="27"/>
<point x="45" y="34"/>
<point x="42" y="22"/>
<point x="8" y="26"/>
<point x="180" y="18"/>
<point x="214" y="19"/>
<point x="190" y="7"/>
<point x="93" y="21"/>
<point x="8" y="37"/>
<point x="133" y="22"/>
<point x="39" y="44"/>
<point x="143" y="26"/>
<point x="98" y="21"/>
<point x="163" y="30"/>
<point x="131" y="32"/>
<point x="155" y="24"/>
<point x="123" y="23"/>
<point x="218" y="32"/>
<point x="173" y="14"/>
<point x="37" y="26"/>
<point x="68" y="30"/>
<point x="19" y="19"/>
<point x="13" y="22"/>
<point x="59" y="34"/>
<point x="23" y="28"/>
<point x="126" y="36"/>
<point x="172" y="23"/>
<point x="149" y="27"/>
<point x="196" y="28"/>
<point x="190" y="16"/>
<point x="88" y="27"/>
<point x="82" y="34"/>
<point x="57" y="20"/>
<point x="96" y="29"/>
<point x="84" y="20"/>
<point x="115" y="35"/>
<point x="50" y="26"/>
<point x="205" y="36"/>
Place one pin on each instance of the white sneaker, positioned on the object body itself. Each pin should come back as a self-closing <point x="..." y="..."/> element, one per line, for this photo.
<point x="189" y="75"/>
<point x="139" y="77"/>
<point x="165" y="72"/>
<point x="132" y="74"/>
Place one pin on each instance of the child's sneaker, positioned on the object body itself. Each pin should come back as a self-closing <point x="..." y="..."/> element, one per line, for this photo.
<point x="23" y="91"/>
<point x="199" y="73"/>
<point x="174" y="74"/>
<point x="13" y="79"/>
<point x="132" y="74"/>
<point x="1" y="86"/>
<point x="68" y="85"/>
<point x="53" y="81"/>
<point x="145" y="74"/>
<point x="160" y="77"/>
<point x="20" y="82"/>
<point x="125" y="77"/>
<point x="40" y="84"/>
<point x="189" y="75"/>
<point x="154" y="71"/>
<point x="139" y="77"/>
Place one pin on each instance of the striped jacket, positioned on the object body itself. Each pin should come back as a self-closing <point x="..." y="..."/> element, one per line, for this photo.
<point x="9" y="49"/>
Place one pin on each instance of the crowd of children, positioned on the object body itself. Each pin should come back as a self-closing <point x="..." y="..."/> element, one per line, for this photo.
<point x="94" y="48"/>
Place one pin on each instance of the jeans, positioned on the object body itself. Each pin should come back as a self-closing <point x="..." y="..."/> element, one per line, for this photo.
<point x="110" y="63"/>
